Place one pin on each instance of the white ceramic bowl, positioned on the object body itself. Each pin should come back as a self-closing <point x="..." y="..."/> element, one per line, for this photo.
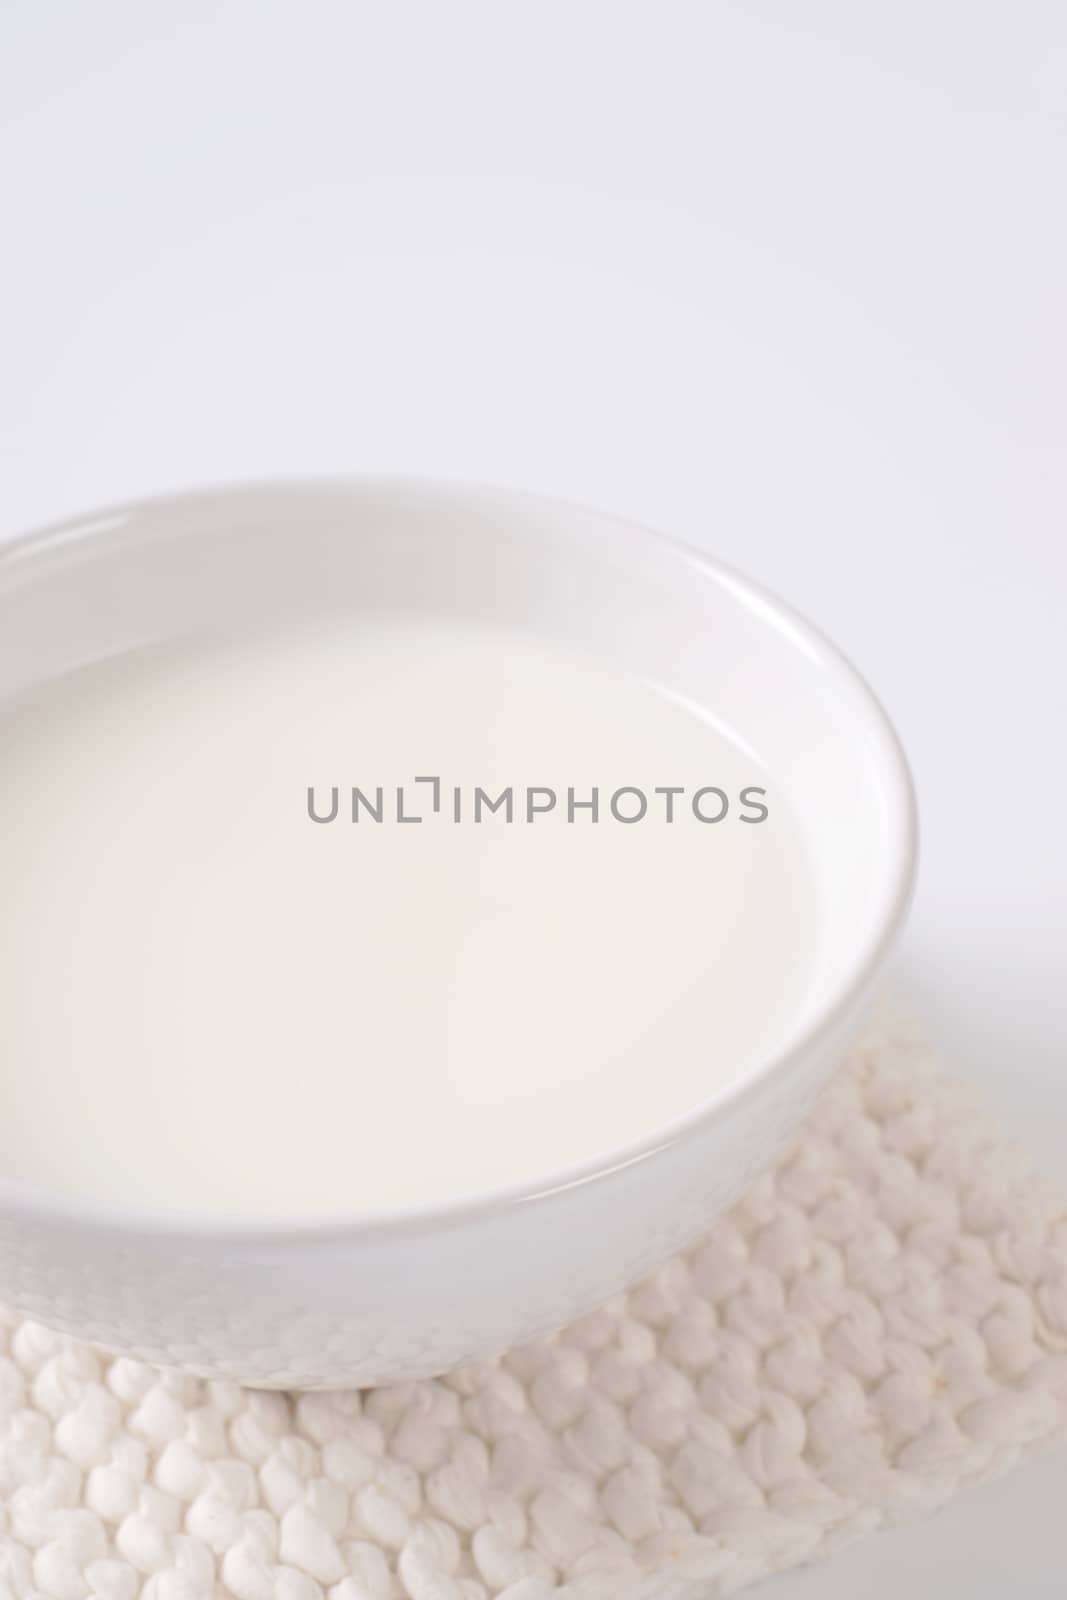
<point x="363" y="1299"/>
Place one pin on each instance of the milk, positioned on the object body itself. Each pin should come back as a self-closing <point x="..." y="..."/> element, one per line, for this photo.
<point x="237" y="975"/>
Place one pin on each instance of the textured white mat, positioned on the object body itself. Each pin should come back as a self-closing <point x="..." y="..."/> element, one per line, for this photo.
<point x="881" y="1322"/>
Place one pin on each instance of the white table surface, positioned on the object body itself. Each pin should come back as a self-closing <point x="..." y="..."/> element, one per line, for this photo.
<point x="788" y="280"/>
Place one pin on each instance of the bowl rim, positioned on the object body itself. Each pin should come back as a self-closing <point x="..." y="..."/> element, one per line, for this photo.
<point x="25" y="1200"/>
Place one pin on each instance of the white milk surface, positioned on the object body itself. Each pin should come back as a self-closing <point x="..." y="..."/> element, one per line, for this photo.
<point x="211" y="1002"/>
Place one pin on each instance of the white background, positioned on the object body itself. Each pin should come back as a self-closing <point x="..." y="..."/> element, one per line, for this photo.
<point x="785" y="278"/>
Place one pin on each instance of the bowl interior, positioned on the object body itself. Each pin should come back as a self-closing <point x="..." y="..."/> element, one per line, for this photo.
<point x="245" y="558"/>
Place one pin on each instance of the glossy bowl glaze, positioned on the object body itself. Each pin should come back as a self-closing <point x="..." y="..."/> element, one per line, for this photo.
<point x="368" y="1298"/>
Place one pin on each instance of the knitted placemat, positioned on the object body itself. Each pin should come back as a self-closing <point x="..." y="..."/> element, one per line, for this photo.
<point x="880" y="1322"/>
